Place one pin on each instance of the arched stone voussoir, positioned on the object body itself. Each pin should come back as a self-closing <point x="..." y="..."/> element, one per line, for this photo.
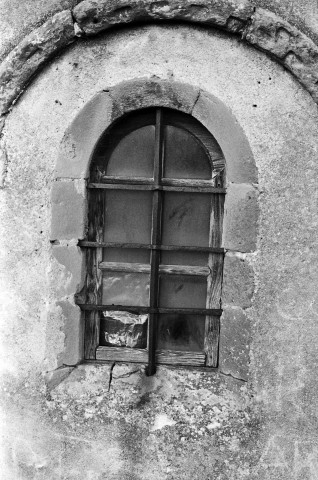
<point x="95" y="16"/>
<point x="110" y="104"/>
<point x="142" y="93"/>
<point x="285" y="43"/>
<point x="107" y="106"/>
<point x="257" y="27"/>
<point x="25" y="60"/>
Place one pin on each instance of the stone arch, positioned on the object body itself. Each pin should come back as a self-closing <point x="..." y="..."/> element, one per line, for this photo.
<point x="72" y="170"/>
<point x="255" y="26"/>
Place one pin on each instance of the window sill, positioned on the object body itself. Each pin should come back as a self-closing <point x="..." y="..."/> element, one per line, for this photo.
<point x="163" y="357"/>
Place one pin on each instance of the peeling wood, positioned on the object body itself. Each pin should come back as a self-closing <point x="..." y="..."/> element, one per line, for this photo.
<point x="163" y="269"/>
<point x="163" y="357"/>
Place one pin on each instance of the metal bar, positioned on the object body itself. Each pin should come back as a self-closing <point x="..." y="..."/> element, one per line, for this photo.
<point x="136" y="309"/>
<point x="165" y="182"/>
<point x="214" y="283"/>
<point x="185" y="188"/>
<point x="176" y="248"/>
<point x="155" y="240"/>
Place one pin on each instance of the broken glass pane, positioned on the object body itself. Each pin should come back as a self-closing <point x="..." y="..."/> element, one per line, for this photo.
<point x="126" y="289"/>
<point x="181" y="332"/>
<point x="185" y="157"/>
<point x="128" y="216"/>
<point x="186" y="219"/>
<point x="182" y="291"/>
<point x="123" y="329"/>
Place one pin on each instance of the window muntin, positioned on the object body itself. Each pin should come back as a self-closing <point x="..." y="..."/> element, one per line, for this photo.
<point x="154" y="242"/>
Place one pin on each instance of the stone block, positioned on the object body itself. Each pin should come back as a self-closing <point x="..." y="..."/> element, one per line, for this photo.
<point x="68" y="211"/>
<point x="219" y="120"/>
<point x="34" y="50"/>
<point x="96" y="16"/>
<point x="54" y="378"/>
<point x="73" y="331"/>
<point x="81" y="137"/>
<point x="290" y="46"/>
<point x="141" y="93"/>
<point x="71" y="258"/>
<point x="234" y="343"/>
<point x="240" y="218"/>
<point x="238" y="281"/>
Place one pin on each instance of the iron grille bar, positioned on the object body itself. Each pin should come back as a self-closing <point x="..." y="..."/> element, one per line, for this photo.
<point x="155" y="240"/>
<point x="157" y="310"/>
<point x="176" y="248"/>
<point x="154" y="187"/>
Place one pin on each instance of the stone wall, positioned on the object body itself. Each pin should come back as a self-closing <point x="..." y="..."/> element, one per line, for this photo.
<point x="65" y="421"/>
<point x="18" y="19"/>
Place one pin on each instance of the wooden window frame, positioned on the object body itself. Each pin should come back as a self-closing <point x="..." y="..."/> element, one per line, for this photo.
<point x="95" y="266"/>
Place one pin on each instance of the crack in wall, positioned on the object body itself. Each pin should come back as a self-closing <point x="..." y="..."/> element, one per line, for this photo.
<point x="233" y="376"/>
<point x="111" y="375"/>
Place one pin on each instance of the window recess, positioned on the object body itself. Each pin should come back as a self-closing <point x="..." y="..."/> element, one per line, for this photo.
<point x="153" y="249"/>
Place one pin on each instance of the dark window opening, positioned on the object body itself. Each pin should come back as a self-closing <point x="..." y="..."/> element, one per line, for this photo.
<point x="154" y="256"/>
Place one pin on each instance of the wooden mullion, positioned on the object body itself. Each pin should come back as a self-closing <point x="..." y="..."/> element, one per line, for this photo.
<point x="120" y="186"/>
<point x="163" y="357"/>
<point x="155" y="240"/>
<point x="94" y="274"/>
<point x="117" y="354"/>
<point x="174" y="357"/>
<point x="165" y="182"/>
<point x="185" y="182"/>
<point x="211" y="340"/>
<point x="214" y="286"/>
<point x="109" y="179"/>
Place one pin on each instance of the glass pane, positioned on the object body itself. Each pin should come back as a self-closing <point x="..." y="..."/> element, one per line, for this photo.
<point x="178" y="291"/>
<point x="183" y="258"/>
<point x="181" y="332"/>
<point x="186" y="219"/>
<point x="123" y="329"/>
<point x="126" y="255"/>
<point x="126" y="289"/>
<point x="184" y="156"/>
<point x="131" y="156"/>
<point x="128" y="216"/>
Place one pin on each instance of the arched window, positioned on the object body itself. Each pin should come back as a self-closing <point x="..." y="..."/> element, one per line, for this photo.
<point x="154" y="256"/>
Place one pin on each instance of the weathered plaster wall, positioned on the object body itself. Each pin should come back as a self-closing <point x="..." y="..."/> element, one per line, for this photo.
<point x="20" y="18"/>
<point x="90" y="423"/>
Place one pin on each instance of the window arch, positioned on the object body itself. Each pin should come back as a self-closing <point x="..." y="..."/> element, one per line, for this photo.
<point x="154" y="256"/>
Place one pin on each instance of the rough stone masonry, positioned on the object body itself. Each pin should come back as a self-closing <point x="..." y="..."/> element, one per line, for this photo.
<point x="250" y="63"/>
